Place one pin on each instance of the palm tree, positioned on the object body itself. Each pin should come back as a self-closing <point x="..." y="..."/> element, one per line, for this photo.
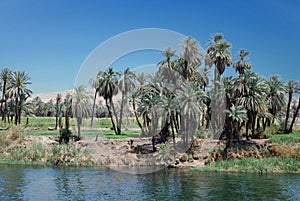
<point x="242" y="64"/>
<point x="126" y="84"/>
<point x="252" y="95"/>
<point x="19" y="83"/>
<point x="191" y="56"/>
<point x="290" y="88"/>
<point x="168" y="53"/>
<point x="275" y="96"/>
<point x="95" y="84"/>
<point x="68" y="110"/>
<point x="219" y="54"/>
<point x="58" y="110"/>
<point x="27" y="108"/>
<point x="191" y="100"/>
<point x="5" y="76"/>
<point x="108" y="81"/>
<point x="237" y="115"/>
<point x="81" y="105"/>
<point x="294" y="116"/>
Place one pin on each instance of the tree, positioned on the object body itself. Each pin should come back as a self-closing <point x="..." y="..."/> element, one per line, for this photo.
<point x="275" y="96"/>
<point x="58" y="107"/>
<point x="191" y="56"/>
<point x="168" y="53"/>
<point x="294" y="117"/>
<point x="19" y="83"/>
<point x="95" y="84"/>
<point x="5" y="76"/>
<point x="191" y="101"/>
<point x="81" y="105"/>
<point x="252" y="95"/>
<point x="126" y="84"/>
<point x="27" y="108"/>
<point x="219" y="54"/>
<point x="291" y="85"/>
<point x="108" y="81"/>
<point x="237" y="115"/>
<point x="242" y="64"/>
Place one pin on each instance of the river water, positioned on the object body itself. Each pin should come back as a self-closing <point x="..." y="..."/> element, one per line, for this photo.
<point x="39" y="183"/>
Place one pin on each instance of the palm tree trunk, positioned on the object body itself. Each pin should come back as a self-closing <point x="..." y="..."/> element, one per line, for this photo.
<point x="111" y="117"/>
<point x="288" y="112"/>
<point x="294" y="117"/>
<point x="27" y="122"/>
<point x="93" y="110"/>
<point x="16" y="111"/>
<point x="3" y="100"/>
<point x="136" y="116"/>
<point x="79" y="121"/>
<point x="118" y="130"/>
<point x="121" y="115"/>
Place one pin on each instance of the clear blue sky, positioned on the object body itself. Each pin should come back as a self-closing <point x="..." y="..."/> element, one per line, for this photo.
<point x="51" y="39"/>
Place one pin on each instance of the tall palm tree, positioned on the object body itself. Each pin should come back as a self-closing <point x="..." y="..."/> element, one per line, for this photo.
<point x="191" y="56"/>
<point x="168" y="53"/>
<point x="126" y="84"/>
<point x="237" y="115"/>
<point x="19" y="83"/>
<point x="68" y="110"/>
<point x="252" y="95"/>
<point x="191" y="101"/>
<point x="95" y="84"/>
<point x="27" y="108"/>
<point x="58" y="110"/>
<point x="275" y="96"/>
<point x="219" y="54"/>
<point x="242" y="64"/>
<point x="5" y="76"/>
<point x="81" y="106"/>
<point x="108" y="87"/>
<point x="291" y="85"/>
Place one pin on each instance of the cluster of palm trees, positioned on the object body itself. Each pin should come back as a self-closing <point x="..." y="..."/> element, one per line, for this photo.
<point x="179" y="98"/>
<point x="15" y="92"/>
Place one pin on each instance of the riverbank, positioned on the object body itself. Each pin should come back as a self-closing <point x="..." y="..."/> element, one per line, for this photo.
<point x="256" y="156"/>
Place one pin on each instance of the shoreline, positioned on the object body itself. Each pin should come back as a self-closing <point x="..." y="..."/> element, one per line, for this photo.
<point x="119" y="153"/>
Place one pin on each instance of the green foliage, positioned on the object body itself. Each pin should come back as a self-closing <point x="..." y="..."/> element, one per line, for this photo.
<point x="257" y="165"/>
<point x="14" y="133"/>
<point x="60" y="155"/>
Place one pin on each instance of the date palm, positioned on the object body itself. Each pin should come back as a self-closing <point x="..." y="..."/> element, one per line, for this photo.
<point x="95" y="84"/>
<point x="219" y="54"/>
<point x="191" y="56"/>
<point x="5" y="76"/>
<point x="19" y="82"/>
<point x="108" y="87"/>
<point x="252" y="95"/>
<point x="290" y="88"/>
<point x="275" y="95"/>
<point x="81" y="106"/>
<point x="242" y="64"/>
<point x="126" y="84"/>
<point x="168" y="53"/>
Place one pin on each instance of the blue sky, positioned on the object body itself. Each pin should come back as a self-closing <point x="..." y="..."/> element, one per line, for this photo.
<point x="51" y="39"/>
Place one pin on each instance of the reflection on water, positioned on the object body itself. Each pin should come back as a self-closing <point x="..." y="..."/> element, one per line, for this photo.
<point x="28" y="183"/>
